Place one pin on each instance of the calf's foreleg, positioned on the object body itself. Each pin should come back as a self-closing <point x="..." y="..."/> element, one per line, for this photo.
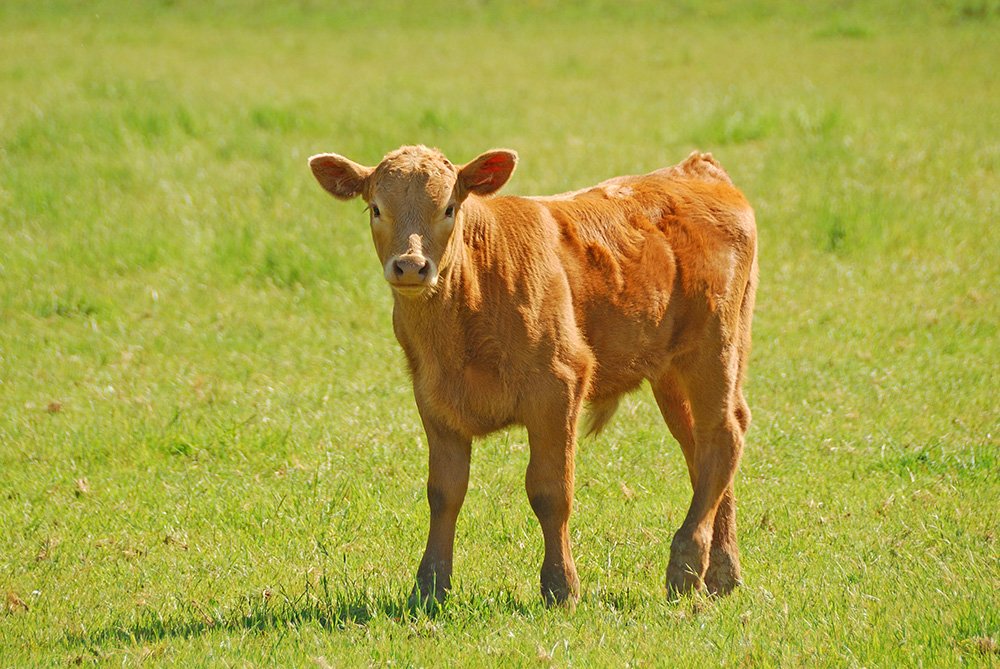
<point x="549" y="483"/>
<point x="447" y="482"/>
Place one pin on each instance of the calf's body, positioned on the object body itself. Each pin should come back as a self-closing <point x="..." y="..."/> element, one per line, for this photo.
<point x="519" y="310"/>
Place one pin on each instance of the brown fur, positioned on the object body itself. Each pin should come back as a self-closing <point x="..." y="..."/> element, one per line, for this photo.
<point x="515" y="310"/>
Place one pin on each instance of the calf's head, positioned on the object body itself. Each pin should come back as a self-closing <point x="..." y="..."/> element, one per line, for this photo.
<point x="415" y="198"/>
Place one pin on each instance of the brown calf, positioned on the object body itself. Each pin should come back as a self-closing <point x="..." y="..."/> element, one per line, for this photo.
<point x="520" y="309"/>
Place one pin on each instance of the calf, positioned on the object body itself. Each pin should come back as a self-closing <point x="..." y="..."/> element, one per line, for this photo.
<point x="518" y="310"/>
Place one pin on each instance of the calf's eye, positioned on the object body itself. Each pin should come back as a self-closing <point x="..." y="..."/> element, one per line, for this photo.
<point x="375" y="211"/>
<point x="450" y="211"/>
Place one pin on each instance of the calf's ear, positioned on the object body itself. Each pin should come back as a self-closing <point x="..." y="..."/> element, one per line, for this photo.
<point x="486" y="174"/>
<point x="342" y="178"/>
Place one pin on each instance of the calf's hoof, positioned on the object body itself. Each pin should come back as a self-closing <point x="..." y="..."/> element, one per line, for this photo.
<point x="425" y="601"/>
<point x="429" y="592"/>
<point x="683" y="581"/>
<point x="723" y="573"/>
<point x="686" y="567"/>
<point x="560" y="587"/>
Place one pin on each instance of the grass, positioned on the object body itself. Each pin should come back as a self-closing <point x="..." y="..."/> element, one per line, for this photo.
<point x="208" y="446"/>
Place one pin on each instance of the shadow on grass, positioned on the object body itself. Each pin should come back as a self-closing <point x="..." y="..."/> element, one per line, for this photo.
<point x="274" y="611"/>
<point x="335" y="607"/>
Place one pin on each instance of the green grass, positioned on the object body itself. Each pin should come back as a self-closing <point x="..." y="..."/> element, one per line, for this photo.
<point x="209" y="453"/>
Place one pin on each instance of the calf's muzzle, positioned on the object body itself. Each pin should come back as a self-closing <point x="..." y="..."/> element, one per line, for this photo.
<point x="411" y="273"/>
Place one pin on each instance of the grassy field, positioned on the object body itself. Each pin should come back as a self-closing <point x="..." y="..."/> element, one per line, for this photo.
<point x="209" y="453"/>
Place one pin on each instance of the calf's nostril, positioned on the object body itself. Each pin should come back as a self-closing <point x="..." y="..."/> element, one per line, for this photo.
<point x="409" y="269"/>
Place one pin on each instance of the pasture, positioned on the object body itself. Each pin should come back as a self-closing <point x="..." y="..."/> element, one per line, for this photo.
<point x="209" y="451"/>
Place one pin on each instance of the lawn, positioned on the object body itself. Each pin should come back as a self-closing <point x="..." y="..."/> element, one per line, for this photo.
<point x="209" y="452"/>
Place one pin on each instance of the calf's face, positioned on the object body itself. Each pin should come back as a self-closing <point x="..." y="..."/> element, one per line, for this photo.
<point x="415" y="198"/>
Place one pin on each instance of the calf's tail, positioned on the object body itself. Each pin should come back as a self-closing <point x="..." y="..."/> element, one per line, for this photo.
<point x="599" y="412"/>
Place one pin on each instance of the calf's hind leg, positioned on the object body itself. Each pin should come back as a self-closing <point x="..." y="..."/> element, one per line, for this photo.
<point x="704" y="410"/>
<point x="723" y="572"/>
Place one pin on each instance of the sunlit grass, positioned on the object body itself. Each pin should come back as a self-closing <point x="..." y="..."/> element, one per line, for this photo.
<point x="209" y="452"/>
